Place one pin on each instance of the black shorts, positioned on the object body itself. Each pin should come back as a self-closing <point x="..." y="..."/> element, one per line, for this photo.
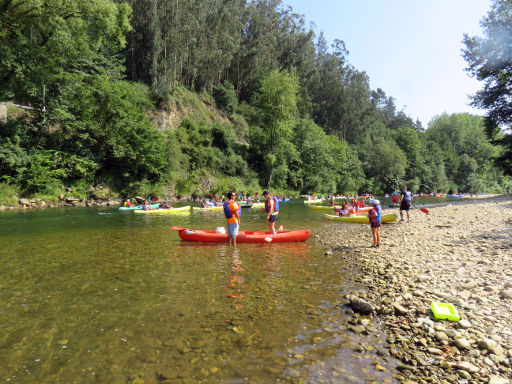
<point x="375" y="225"/>
<point x="272" y="219"/>
<point x="405" y="205"/>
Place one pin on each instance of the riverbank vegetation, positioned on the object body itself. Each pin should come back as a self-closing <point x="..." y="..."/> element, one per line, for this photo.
<point x="198" y="97"/>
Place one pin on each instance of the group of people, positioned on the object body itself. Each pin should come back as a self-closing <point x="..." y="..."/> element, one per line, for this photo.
<point x="147" y="205"/>
<point x="232" y="212"/>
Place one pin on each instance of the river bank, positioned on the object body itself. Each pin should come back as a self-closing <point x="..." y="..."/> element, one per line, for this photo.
<point x="460" y="253"/>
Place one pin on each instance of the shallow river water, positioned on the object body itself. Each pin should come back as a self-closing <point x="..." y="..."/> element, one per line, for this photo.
<point x="94" y="295"/>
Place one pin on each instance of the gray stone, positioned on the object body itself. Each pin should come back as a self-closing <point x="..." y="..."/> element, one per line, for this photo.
<point x="356" y="329"/>
<point x="464" y="374"/>
<point x="464" y="324"/>
<point x="441" y="336"/>
<point x="486" y="343"/>
<point x="493" y="379"/>
<point x="462" y="344"/>
<point x="506" y="294"/>
<point x="24" y="201"/>
<point x="360" y="305"/>
<point x="399" y="310"/>
<point x="468" y="367"/>
<point x="434" y="351"/>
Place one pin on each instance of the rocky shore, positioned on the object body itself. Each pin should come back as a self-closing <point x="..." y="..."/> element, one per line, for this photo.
<point x="460" y="253"/>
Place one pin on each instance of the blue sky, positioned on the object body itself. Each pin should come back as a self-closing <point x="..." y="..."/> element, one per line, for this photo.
<point x="409" y="48"/>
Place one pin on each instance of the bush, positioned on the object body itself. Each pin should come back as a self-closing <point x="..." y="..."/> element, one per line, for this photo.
<point x="8" y="195"/>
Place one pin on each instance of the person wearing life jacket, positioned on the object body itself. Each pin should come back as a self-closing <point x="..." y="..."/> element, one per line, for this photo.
<point x="127" y="203"/>
<point x="375" y="218"/>
<point x="231" y="211"/>
<point x="331" y="202"/>
<point x="405" y="203"/>
<point x="272" y="210"/>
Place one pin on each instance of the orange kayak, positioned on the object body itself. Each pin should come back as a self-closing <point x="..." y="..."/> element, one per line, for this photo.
<point x="243" y="236"/>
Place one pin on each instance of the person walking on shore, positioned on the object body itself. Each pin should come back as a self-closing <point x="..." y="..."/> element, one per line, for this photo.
<point x="375" y="217"/>
<point x="231" y="211"/>
<point x="272" y="210"/>
<point x="405" y="203"/>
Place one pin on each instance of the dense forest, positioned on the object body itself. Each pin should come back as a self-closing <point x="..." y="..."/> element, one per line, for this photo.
<point x="101" y="77"/>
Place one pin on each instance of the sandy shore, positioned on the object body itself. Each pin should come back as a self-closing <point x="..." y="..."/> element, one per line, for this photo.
<point x="459" y="254"/>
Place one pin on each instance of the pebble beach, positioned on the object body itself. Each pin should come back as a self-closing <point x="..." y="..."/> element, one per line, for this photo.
<point x="460" y="253"/>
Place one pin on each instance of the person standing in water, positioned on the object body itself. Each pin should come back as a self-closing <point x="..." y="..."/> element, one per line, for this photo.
<point x="272" y="210"/>
<point x="231" y="211"/>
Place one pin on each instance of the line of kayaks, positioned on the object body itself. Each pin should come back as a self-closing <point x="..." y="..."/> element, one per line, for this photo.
<point x="153" y="206"/>
<point x="160" y="211"/>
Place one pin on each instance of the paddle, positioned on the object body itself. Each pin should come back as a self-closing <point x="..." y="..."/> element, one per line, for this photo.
<point x="175" y="228"/>
<point x="424" y="210"/>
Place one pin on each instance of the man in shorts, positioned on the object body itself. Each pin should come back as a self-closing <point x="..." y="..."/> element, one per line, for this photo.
<point x="405" y="203"/>
<point x="272" y="210"/>
<point x="232" y="213"/>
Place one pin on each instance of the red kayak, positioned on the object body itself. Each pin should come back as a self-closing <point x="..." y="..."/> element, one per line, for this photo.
<point x="243" y="236"/>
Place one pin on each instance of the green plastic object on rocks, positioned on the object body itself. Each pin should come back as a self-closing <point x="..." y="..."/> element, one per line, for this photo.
<point x="445" y="311"/>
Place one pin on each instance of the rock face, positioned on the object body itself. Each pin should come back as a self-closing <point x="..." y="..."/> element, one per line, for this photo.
<point x="459" y="255"/>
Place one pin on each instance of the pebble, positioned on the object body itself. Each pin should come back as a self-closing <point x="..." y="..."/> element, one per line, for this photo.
<point x="486" y="343"/>
<point x="507" y="294"/>
<point x="493" y="379"/>
<point x="464" y="324"/>
<point x="462" y="344"/>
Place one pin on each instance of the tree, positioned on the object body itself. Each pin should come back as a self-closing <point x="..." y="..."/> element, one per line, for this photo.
<point x="277" y="100"/>
<point x="490" y="60"/>
<point x="43" y="40"/>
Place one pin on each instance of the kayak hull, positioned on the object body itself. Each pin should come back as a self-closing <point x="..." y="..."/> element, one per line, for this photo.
<point x="204" y="209"/>
<point x="170" y="211"/>
<point x="245" y="236"/>
<point x="313" y="201"/>
<point x="387" y="218"/>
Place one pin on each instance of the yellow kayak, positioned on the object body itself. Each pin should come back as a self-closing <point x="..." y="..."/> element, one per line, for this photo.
<point x="218" y="208"/>
<point x="324" y="207"/>
<point x="165" y="211"/>
<point x="389" y="217"/>
<point x="317" y="201"/>
<point x="258" y="205"/>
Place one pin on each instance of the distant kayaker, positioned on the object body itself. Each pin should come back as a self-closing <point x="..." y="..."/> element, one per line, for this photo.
<point x="147" y="205"/>
<point x="375" y="217"/>
<point x="127" y="203"/>
<point x="405" y="203"/>
<point x="272" y="210"/>
<point x="231" y="211"/>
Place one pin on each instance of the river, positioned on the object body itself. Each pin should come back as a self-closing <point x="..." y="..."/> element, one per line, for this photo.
<point x="95" y="295"/>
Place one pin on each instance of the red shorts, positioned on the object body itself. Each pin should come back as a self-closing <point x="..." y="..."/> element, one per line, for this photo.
<point x="375" y="225"/>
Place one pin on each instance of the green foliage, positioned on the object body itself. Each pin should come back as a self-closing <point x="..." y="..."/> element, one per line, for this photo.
<point x="225" y="97"/>
<point x="8" y="195"/>
<point x="106" y="121"/>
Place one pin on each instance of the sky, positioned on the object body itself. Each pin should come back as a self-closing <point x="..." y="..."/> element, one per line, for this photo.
<point x="412" y="49"/>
